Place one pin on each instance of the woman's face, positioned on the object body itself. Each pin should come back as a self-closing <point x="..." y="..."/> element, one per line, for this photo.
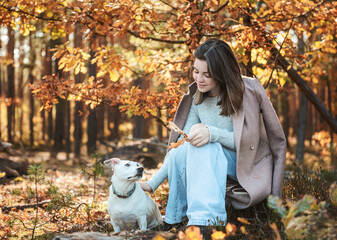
<point x="203" y="78"/>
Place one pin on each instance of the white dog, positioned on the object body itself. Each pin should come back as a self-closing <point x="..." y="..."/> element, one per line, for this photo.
<point x="128" y="205"/>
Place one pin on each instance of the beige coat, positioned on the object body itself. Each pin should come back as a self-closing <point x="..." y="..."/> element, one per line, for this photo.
<point x="259" y="140"/>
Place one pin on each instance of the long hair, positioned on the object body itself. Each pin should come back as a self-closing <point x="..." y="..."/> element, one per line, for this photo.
<point x="225" y="70"/>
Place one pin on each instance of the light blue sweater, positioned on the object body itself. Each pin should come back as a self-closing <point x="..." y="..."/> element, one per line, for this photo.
<point x="221" y="130"/>
<point x="208" y="113"/>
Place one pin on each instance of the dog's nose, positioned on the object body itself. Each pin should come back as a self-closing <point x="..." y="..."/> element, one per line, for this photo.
<point x="140" y="169"/>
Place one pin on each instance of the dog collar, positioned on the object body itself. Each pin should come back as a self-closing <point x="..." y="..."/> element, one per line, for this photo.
<point x="121" y="195"/>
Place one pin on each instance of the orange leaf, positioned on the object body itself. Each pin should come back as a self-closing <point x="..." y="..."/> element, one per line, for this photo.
<point x="218" y="235"/>
<point x="230" y="229"/>
<point x="177" y="144"/>
<point x="243" y="220"/>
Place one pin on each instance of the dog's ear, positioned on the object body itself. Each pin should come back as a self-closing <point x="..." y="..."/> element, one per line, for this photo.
<point x="112" y="161"/>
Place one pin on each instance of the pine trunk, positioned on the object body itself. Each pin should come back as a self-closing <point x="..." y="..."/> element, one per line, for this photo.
<point x="10" y="84"/>
<point x="92" y="126"/>
<point x="31" y="98"/>
<point x="60" y="118"/>
<point x="302" y="115"/>
<point x="78" y="129"/>
<point x="20" y="86"/>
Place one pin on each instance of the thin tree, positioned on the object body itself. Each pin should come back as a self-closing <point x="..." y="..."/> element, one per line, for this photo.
<point x="10" y="84"/>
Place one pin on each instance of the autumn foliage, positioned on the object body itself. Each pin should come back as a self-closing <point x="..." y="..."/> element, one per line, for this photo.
<point x="254" y="29"/>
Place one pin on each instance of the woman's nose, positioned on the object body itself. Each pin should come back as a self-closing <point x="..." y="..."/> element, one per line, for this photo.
<point x="199" y="78"/>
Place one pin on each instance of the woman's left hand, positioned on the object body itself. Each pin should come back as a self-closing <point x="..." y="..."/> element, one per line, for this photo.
<point x="198" y="135"/>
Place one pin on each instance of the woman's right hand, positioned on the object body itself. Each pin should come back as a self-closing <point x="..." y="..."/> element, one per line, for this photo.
<point x="198" y="135"/>
<point x="146" y="187"/>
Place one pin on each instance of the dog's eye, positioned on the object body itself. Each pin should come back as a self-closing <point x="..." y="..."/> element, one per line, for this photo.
<point x="127" y="165"/>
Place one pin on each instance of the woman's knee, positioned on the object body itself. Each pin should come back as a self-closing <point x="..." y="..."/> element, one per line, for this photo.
<point x="177" y="157"/>
<point x="207" y="148"/>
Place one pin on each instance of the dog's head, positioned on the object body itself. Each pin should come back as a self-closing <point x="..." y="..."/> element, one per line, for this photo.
<point x="125" y="169"/>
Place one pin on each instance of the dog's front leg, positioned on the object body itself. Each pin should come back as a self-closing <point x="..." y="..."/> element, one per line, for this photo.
<point x="142" y="222"/>
<point x="117" y="228"/>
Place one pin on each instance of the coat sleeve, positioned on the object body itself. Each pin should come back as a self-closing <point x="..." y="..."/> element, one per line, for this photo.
<point x="276" y="138"/>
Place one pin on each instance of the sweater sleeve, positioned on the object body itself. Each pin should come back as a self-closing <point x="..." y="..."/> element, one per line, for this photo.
<point x="159" y="177"/>
<point x="222" y="136"/>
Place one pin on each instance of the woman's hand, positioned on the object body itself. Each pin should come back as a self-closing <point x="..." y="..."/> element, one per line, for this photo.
<point x="145" y="187"/>
<point x="198" y="135"/>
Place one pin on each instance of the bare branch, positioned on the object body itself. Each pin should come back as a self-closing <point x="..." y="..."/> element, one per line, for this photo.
<point x="157" y="39"/>
<point x="285" y="38"/>
<point x="219" y="9"/>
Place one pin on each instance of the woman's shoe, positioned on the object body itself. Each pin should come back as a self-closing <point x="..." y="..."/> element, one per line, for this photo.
<point x="167" y="226"/>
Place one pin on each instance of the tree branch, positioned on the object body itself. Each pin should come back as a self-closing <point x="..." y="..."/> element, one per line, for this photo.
<point x="7" y="209"/>
<point x="157" y="39"/>
<point x="219" y="9"/>
<point x="278" y="53"/>
<point x="312" y="97"/>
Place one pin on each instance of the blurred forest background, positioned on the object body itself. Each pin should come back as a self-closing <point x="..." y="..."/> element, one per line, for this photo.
<point x="76" y="73"/>
<point x="85" y="76"/>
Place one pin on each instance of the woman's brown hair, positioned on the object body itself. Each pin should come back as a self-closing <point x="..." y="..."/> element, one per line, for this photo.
<point x="225" y="70"/>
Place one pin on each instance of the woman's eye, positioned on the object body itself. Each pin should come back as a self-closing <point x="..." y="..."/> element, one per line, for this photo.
<point x="208" y="76"/>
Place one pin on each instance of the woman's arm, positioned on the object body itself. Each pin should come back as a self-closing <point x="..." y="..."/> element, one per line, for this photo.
<point x="222" y="136"/>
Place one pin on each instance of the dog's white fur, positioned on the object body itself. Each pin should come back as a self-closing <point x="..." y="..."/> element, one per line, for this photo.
<point x="137" y="211"/>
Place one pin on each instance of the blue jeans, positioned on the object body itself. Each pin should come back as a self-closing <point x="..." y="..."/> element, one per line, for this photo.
<point x="197" y="180"/>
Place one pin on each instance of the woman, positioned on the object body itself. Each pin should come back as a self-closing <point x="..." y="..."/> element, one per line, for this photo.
<point x="233" y="132"/>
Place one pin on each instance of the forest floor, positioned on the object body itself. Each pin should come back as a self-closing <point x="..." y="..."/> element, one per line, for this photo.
<point x="80" y="201"/>
<point x="72" y="200"/>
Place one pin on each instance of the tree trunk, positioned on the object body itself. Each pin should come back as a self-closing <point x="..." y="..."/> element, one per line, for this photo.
<point x="20" y="85"/>
<point x="100" y="110"/>
<point x="31" y="114"/>
<point x="114" y="117"/>
<point x="302" y="115"/>
<point x="59" y="135"/>
<point x="78" y="131"/>
<point x="332" y="148"/>
<point x="68" y="143"/>
<point x="285" y="114"/>
<point x="10" y="84"/>
<point x="91" y="132"/>
<point x="92" y="126"/>
<point x="141" y="125"/>
<point x="49" y="64"/>
<point x="31" y="97"/>
<point x="249" y="68"/>
<point x="60" y="125"/>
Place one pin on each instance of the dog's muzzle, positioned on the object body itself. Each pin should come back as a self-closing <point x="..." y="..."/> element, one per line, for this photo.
<point x="139" y="173"/>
